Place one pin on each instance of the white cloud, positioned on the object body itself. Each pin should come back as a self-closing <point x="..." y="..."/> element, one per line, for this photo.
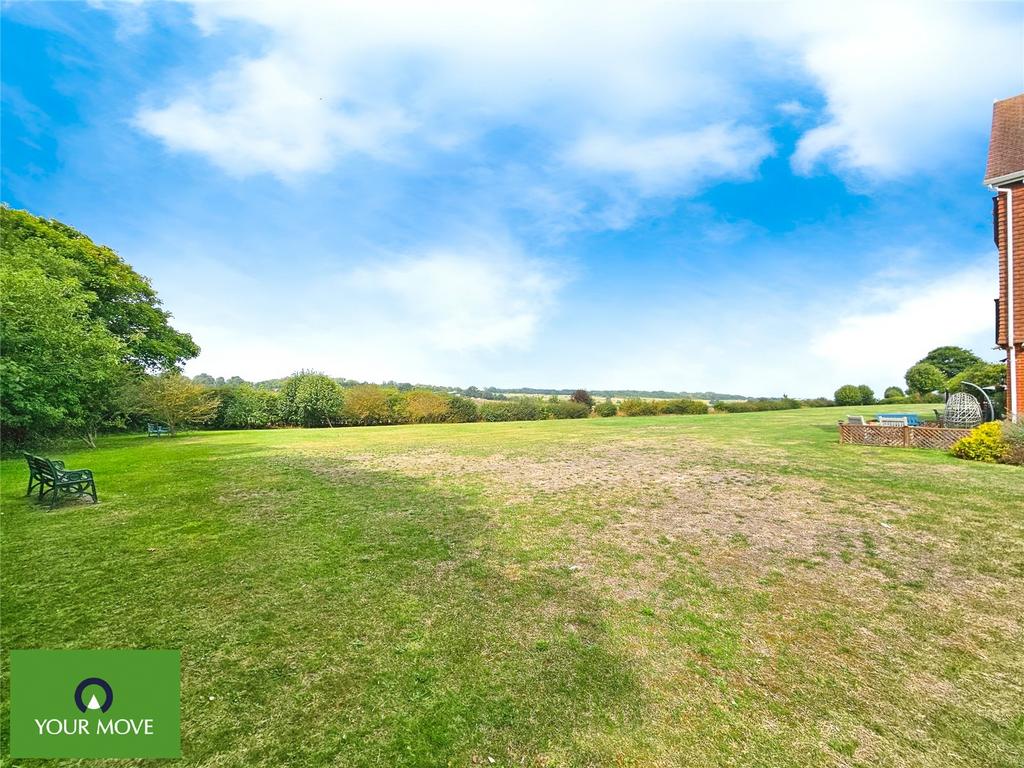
<point x="794" y="109"/>
<point x="461" y="300"/>
<point x="677" y="161"/>
<point x="902" y="82"/>
<point x="395" y="79"/>
<point x="905" y="83"/>
<point x="413" y="316"/>
<point x="273" y="115"/>
<point x="887" y="324"/>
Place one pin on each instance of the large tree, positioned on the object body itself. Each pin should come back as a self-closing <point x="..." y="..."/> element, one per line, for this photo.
<point x="951" y="360"/>
<point x="311" y="399"/>
<point x="923" y="378"/>
<point x="849" y="394"/>
<point x="60" y="370"/>
<point x="118" y="297"/>
<point x="982" y="374"/>
<point x="77" y="324"/>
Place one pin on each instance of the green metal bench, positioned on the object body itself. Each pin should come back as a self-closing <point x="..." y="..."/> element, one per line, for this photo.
<point x="157" y="430"/>
<point x="51" y="479"/>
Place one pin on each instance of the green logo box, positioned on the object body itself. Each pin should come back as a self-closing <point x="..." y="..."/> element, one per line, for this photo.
<point x="97" y="703"/>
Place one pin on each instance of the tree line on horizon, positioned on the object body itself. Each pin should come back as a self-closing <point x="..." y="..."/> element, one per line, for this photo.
<point x="485" y="393"/>
<point x="313" y="399"/>
<point x="88" y="347"/>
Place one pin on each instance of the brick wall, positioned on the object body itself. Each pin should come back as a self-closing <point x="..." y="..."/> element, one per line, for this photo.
<point x="1018" y="282"/>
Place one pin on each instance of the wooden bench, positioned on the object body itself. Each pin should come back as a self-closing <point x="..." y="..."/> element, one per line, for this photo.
<point x="50" y="478"/>
<point x="912" y="419"/>
<point x="892" y="421"/>
<point x="157" y="430"/>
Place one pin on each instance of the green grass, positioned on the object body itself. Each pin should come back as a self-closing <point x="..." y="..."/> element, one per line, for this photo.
<point x="676" y="590"/>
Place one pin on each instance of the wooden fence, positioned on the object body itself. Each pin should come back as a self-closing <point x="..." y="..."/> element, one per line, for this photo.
<point x="900" y="437"/>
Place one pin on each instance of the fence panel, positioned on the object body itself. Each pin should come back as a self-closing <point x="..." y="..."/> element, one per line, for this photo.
<point x="940" y="438"/>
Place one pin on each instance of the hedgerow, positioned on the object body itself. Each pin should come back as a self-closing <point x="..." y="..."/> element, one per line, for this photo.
<point x="760" y="404"/>
<point x="683" y="405"/>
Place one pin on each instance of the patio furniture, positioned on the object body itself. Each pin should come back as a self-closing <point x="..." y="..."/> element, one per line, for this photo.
<point x="889" y="420"/>
<point x="859" y="420"/>
<point x="157" y="430"/>
<point x="912" y="419"/>
<point x="963" y="410"/>
<point x="51" y="478"/>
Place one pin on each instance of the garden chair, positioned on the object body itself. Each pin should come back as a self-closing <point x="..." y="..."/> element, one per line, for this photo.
<point x="858" y="420"/>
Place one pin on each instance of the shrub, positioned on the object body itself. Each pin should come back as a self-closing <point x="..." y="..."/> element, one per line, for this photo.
<point x="683" y="405"/>
<point x="757" y="404"/>
<point x="174" y="400"/>
<point x="367" y="404"/>
<point x="582" y="396"/>
<point x="517" y="409"/>
<point x="892" y="393"/>
<point x="607" y="408"/>
<point x="985" y="443"/>
<point x="460" y="410"/>
<point x="566" y="409"/>
<point x="1013" y="436"/>
<point x="924" y="377"/>
<point x="422" y="406"/>
<point x="816" y="402"/>
<point x="848" y="394"/>
<point x="634" y="406"/>
<point x="244" y="407"/>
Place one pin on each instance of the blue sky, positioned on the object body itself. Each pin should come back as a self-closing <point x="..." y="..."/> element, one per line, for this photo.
<point x="748" y="198"/>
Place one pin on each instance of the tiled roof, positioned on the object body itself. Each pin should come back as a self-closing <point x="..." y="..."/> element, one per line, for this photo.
<point x="1006" y="147"/>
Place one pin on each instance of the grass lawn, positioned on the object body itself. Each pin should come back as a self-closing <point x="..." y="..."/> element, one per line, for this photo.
<point x="677" y="590"/>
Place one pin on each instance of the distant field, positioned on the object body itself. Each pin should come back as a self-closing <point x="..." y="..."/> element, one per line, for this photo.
<point x="597" y="398"/>
<point x="667" y="591"/>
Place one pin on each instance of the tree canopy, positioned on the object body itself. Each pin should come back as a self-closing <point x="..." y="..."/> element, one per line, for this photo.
<point x="982" y="374"/>
<point x="175" y="400"/>
<point x="851" y="394"/>
<point x="115" y="294"/>
<point x="311" y="399"/>
<point x="77" y="324"/>
<point x="951" y="360"/>
<point x="925" y="377"/>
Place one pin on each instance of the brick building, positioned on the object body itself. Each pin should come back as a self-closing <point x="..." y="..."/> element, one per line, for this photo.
<point x="1005" y="175"/>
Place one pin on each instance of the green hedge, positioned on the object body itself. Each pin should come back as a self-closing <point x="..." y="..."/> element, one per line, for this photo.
<point x="760" y="404"/>
<point x="683" y="405"/>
